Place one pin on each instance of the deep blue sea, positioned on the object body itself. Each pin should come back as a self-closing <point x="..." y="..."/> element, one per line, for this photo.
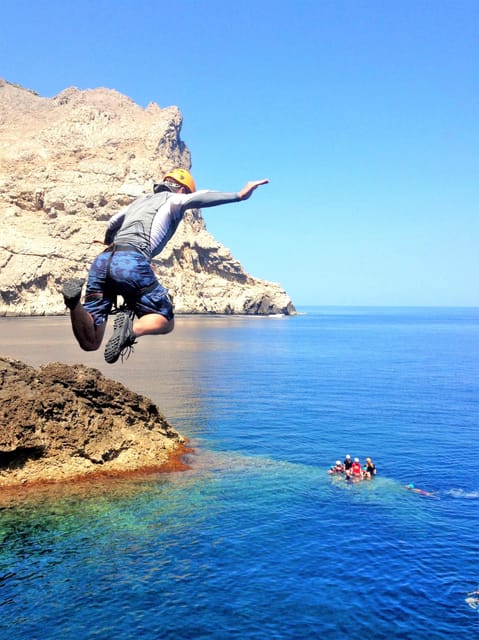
<point x="256" y="540"/>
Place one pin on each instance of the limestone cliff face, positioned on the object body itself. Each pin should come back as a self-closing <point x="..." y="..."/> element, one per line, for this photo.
<point x="67" y="164"/>
<point x="60" y="422"/>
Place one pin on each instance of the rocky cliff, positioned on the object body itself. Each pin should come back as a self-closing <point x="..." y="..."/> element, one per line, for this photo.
<point x="67" y="164"/>
<point x="60" y="422"/>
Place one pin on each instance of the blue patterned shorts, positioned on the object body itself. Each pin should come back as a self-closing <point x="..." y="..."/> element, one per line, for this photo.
<point x="130" y="276"/>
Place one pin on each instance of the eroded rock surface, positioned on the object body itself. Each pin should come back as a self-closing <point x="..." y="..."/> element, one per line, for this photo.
<point x="59" y="422"/>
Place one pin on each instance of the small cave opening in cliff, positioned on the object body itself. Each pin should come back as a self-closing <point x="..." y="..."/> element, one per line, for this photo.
<point x="19" y="456"/>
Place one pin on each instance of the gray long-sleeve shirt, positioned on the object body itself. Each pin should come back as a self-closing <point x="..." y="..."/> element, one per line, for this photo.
<point x="151" y="220"/>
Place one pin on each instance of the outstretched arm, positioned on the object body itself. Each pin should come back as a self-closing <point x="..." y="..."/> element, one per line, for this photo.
<point x="201" y="199"/>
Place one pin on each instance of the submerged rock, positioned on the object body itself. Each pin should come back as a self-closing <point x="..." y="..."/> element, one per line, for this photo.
<point x="59" y="422"/>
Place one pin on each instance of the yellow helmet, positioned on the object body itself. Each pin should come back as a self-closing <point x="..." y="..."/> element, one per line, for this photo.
<point x="183" y="177"/>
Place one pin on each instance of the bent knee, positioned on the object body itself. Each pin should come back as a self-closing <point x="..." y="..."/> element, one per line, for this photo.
<point x="169" y="326"/>
<point x="166" y="326"/>
<point x="90" y="347"/>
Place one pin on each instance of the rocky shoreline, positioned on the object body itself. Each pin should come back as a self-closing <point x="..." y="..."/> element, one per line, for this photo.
<point x="61" y="423"/>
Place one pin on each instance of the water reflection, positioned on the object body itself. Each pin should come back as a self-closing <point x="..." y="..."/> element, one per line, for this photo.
<point x="174" y="371"/>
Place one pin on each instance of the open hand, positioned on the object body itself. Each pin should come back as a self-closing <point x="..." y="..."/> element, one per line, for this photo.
<point x="249" y="187"/>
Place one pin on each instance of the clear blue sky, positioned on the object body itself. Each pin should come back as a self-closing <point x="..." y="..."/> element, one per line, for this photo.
<point x="364" y="115"/>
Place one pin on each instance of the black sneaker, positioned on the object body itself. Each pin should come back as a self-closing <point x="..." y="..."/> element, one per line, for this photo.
<point x="122" y="340"/>
<point x="72" y="292"/>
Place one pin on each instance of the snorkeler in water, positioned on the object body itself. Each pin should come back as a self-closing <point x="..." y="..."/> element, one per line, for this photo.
<point x="412" y="487"/>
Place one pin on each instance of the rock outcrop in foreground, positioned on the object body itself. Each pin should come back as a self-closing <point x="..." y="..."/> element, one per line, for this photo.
<point x="67" y="164"/>
<point x="60" y="422"/>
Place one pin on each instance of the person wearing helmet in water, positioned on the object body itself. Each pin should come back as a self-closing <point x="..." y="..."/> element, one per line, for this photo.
<point x="337" y="468"/>
<point x="134" y="236"/>
<point x="369" y="469"/>
<point x="356" y="468"/>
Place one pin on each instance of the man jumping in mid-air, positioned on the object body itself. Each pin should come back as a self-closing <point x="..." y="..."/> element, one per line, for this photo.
<point x="134" y="236"/>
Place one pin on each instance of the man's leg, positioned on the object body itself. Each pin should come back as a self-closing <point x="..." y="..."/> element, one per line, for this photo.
<point x="153" y="307"/>
<point x="125" y="332"/>
<point x="88" y="335"/>
<point x="152" y="324"/>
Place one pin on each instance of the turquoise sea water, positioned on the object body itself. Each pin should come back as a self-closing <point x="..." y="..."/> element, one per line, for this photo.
<point x="256" y="540"/>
